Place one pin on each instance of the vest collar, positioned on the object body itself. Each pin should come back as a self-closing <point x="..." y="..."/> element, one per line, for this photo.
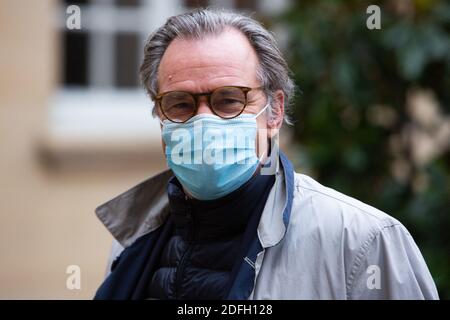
<point x="223" y="218"/>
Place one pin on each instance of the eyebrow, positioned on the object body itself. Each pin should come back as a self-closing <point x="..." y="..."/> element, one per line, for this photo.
<point x="206" y="92"/>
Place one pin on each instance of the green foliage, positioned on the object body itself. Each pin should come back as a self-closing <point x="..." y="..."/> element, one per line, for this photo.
<point x="356" y="87"/>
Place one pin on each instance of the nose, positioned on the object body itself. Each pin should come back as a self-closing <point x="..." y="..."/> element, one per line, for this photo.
<point x="203" y="106"/>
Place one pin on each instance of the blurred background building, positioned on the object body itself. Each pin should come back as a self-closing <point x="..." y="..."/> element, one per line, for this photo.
<point x="76" y="130"/>
<point x="371" y="120"/>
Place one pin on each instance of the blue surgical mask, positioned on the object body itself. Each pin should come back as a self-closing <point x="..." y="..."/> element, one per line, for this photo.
<point x="211" y="156"/>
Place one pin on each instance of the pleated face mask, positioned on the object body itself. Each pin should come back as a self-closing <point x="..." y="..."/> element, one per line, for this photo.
<point x="212" y="156"/>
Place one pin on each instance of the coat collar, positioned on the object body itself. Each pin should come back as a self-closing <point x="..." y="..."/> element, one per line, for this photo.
<point x="144" y="208"/>
<point x="137" y="211"/>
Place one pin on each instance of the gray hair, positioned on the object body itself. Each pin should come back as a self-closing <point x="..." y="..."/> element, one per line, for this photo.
<point x="273" y="71"/>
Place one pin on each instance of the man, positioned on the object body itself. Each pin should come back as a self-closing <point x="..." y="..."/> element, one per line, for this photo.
<point x="231" y="219"/>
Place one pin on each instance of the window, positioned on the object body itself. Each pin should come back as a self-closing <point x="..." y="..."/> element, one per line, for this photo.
<point x="99" y="103"/>
<point x="105" y="52"/>
<point x="75" y="67"/>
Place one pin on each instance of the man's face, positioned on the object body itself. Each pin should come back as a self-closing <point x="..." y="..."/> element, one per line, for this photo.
<point x="203" y="65"/>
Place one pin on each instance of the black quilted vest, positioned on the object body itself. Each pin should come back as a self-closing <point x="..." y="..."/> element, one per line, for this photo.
<point x="197" y="262"/>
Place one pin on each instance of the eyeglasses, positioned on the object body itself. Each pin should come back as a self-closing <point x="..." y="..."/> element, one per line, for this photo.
<point x="226" y="102"/>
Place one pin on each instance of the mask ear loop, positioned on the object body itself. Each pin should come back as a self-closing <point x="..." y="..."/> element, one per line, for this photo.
<point x="269" y="157"/>
<point x="269" y="100"/>
<point x="263" y="109"/>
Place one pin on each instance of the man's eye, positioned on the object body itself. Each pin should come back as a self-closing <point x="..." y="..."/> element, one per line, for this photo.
<point x="180" y="106"/>
<point x="228" y="101"/>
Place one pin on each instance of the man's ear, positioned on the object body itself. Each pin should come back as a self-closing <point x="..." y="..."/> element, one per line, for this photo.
<point x="276" y="114"/>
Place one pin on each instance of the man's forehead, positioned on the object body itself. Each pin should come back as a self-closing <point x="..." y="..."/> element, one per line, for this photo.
<point x="203" y="71"/>
<point x="227" y="55"/>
